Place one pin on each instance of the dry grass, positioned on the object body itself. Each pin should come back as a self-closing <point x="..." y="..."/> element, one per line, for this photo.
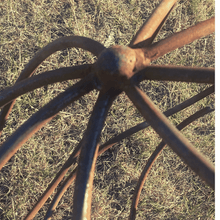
<point x="172" y="190"/>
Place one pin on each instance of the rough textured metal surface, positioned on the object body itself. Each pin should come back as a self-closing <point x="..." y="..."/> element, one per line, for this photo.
<point x="118" y="68"/>
<point x="153" y="158"/>
<point x="171" y="135"/>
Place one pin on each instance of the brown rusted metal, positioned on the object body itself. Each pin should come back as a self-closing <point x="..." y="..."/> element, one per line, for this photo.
<point x="84" y="178"/>
<point x="62" y="43"/>
<point x="84" y="211"/>
<point x="151" y="27"/>
<point x="59" y="44"/>
<point x="69" y="180"/>
<point x="119" y="68"/>
<point x="195" y="160"/>
<point x="153" y="158"/>
<point x="128" y="133"/>
<point x="111" y="143"/>
<point x="180" y="39"/>
<point x="143" y="125"/>
<point x="116" y="65"/>
<point x="34" y="82"/>
<point x="10" y="147"/>
<point x="175" y="73"/>
<point x="52" y="186"/>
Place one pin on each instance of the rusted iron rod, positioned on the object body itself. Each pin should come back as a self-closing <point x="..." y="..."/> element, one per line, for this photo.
<point x="49" y="77"/>
<point x="176" y="73"/>
<point x="121" y="136"/>
<point x="193" y="158"/>
<point x="121" y="63"/>
<point x="154" y="156"/>
<point x="112" y="142"/>
<point x="144" y="124"/>
<point x="45" y="114"/>
<point x="59" y="44"/>
<point x="179" y="39"/>
<point x="89" y="149"/>
<point x="52" y="186"/>
<point x="167" y="113"/>
<point x="86" y="198"/>
<point x="116" y="139"/>
<point x="151" y="27"/>
<point x="190" y="101"/>
<point x="69" y="180"/>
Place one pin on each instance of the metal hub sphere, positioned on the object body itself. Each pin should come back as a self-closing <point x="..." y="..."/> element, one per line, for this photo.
<point x="115" y="65"/>
<point x="114" y="68"/>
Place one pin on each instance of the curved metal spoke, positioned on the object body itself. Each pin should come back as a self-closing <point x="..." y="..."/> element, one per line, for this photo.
<point x="179" y="39"/>
<point x="171" y="135"/>
<point x="190" y="101"/>
<point x="152" y="26"/>
<point x="103" y="148"/>
<point x="52" y="186"/>
<point x="88" y="155"/>
<point x="154" y="156"/>
<point x="49" y="77"/>
<point x="175" y="73"/>
<point x="128" y="133"/>
<point x="144" y="124"/>
<point x="60" y="193"/>
<point x="32" y="125"/>
<point x="125" y="134"/>
<point x="118" y="68"/>
<point x="62" y="43"/>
